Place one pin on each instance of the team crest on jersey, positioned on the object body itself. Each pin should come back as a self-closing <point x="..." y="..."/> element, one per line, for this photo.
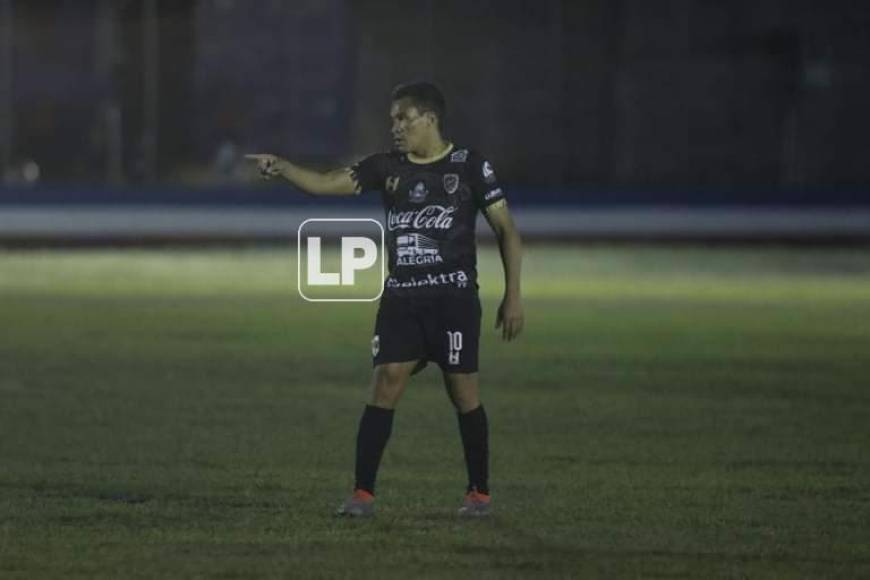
<point x="418" y="193"/>
<point x="459" y="156"/>
<point x="451" y="182"/>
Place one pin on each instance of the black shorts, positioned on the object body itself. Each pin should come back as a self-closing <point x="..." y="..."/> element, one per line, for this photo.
<point x="444" y="329"/>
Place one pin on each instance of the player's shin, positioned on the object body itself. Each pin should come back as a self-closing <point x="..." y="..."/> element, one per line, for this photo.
<point x="474" y="429"/>
<point x="375" y="427"/>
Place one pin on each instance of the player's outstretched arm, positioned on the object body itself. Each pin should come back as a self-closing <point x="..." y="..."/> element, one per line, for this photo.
<point x="335" y="182"/>
<point x="510" y="312"/>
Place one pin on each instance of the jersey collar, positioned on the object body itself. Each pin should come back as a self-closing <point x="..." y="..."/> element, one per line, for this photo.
<point x="426" y="160"/>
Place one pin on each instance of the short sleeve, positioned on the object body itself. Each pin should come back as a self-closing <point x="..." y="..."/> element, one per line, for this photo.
<point x="484" y="183"/>
<point x="369" y="173"/>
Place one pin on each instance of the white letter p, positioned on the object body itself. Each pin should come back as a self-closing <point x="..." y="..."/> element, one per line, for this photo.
<point x="350" y="262"/>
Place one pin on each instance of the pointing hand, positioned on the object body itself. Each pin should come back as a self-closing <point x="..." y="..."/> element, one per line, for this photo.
<point x="269" y="165"/>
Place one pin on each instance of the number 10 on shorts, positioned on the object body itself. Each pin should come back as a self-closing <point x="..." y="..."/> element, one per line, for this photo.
<point x="454" y="344"/>
<point x="340" y="260"/>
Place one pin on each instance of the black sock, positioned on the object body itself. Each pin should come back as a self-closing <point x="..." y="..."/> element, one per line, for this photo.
<point x="374" y="431"/>
<point x="475" y="441"/>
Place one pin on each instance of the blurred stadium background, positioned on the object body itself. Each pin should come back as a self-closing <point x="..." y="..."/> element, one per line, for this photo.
<point x="619" y="119"/>
<point x="695" y="409"/>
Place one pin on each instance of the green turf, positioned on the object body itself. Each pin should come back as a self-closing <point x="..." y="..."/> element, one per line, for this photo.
<point x="686" y="412"/>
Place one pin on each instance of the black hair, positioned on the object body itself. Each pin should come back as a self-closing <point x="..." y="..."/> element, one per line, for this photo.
<point x="425" y="96"/>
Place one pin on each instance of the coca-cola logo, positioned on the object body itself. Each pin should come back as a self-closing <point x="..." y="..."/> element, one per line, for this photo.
<point x="431" y="217"/>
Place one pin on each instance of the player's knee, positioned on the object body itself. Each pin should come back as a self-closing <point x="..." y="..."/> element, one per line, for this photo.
<point x="389" y="382"/>
<point x="464" y="394"/>
<point x="390" y="376"/>
<point x="465" y="402"/>
<point x="385" y="395"/>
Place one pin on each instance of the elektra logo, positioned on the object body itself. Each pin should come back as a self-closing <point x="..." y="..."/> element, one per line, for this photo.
<point x="340" y="260"/>
<point x="431" y="217"/>
<point x="457" y="278"/>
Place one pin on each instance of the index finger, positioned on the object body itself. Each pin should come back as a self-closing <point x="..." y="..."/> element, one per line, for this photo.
<point x="516" y="328"/>
<point x="257" y="156"/>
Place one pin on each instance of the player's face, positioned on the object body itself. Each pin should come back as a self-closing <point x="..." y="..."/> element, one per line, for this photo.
<point x="411" y="129"/>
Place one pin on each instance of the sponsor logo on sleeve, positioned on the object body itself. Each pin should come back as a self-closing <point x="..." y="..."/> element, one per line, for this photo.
<point x="492" y="194"/>
<point x="488" y="173"/>
<point x="459" y="156"/>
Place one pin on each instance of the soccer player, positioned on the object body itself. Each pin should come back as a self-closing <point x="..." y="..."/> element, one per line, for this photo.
<point x="432" y="190"/>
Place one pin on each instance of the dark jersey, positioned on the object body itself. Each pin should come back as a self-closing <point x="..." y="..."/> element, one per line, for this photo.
<point x="431" y="214"/>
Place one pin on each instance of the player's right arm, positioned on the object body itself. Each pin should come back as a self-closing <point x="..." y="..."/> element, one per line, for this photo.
<point x="336" y="182"/>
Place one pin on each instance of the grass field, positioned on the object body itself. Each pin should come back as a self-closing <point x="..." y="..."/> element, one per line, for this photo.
<point x="669" y="412"/>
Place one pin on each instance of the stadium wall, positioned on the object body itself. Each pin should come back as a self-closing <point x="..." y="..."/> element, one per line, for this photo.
<point x="95" y="215"/>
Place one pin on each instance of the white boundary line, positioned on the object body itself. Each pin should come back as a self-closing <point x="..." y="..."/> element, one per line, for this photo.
<point x="123" y="222"/>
